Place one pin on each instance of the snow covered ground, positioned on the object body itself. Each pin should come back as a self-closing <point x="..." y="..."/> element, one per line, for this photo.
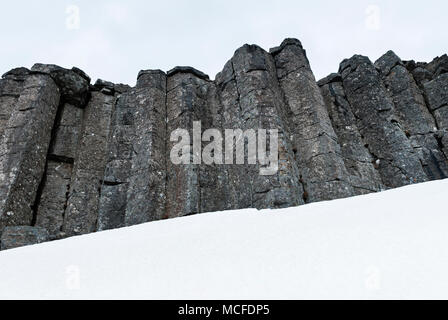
<point x="387" y="245"/>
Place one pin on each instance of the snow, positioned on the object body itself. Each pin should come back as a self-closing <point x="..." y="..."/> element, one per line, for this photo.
<point x="389" y="245"/>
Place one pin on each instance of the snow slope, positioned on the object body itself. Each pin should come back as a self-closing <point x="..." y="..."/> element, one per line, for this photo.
<point x="386" y="245"/>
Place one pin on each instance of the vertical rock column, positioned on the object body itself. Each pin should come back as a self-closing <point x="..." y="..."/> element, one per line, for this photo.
<point x="213" y="178"/>
<point x="23" y="148"/>
<point x="436" y="92"/>
<point x="239" y="186"/>
<point x="413" y="115"/>
<point x="52" y="198"/>
<point x="145" y="199"/>
<point x="398" y="164"/>
<point x="14" y="237"/>
<point x="252" y="100"/>
<point x="10" y="89"/>
<point x="359" y="162"/>
<point x="81" y="213"/>
<point x="114" y="186"/>
<point x="133" y="190"/>
<point x="433" y="74"/>
<point x="315" y="143"/>
<point x="187" y="101"/>
<point x="56" y="184"/>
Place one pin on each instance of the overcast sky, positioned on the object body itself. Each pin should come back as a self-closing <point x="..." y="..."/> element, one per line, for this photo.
<point x="113" y="40"/>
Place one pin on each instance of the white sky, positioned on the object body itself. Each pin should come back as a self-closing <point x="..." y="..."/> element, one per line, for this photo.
<point x="116" y="39"/>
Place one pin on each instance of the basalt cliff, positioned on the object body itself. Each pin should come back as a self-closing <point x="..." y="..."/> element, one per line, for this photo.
<point x="77" y="158"/>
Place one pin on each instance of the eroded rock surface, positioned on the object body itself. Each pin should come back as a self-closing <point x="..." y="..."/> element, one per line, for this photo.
<point x="315" y="143"/>
<point x="397" y="161"/>
<point x="14" y="237"/>
<point x="77" y="157"/>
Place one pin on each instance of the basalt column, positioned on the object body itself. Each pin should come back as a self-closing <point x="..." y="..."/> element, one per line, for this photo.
<point x="213" y="177"/>
<point x="315" y="143"/>
<point x="11" y="87"/>
<point x="52" y="198"/>
<point x="360" y="164"/>
<point x="145" y="199"/>
<point x="414" y="117"/>
<point x="133" y="190"/>
<point x="397" y="161"/>
<point x="77" y="157"/>
<point x="188" y="93"/>
<point x="432" y="80"/>
<point x="24" y="144"/>
<point x="81" y="214"/>
<point x="436" y="92"/>
<point x="251" y="99"/>
<point x="56" y="183"/>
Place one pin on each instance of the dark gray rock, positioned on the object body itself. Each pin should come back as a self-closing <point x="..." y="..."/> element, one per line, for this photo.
<point x="14" y="237"/>
<point x="81" y="73"/>
<point x="413" y="114"/>
<point x="213" y="178"/>
<point x="23" y="149"/>
<point x="10" y="90"/>
<point x="331" y="78"/>
<point x="101" y="84"/>
<point x="81" y="214"/>
<point x="121" y="88"/>
<point x="252" y="99"/>
<point x="77" y="158"/>
<point x="442" y="139"/>
<point x="421" y="76"/>
<point x="134" y="188"/>
<point x="360" y="164"/>
<point x="114" y="186"/>
<point x="73" y="84"/>
<point x="386" y="63"/>
<point x="67" y="133"/>
<point x="181" y="69"/>
<point x="147" y="175"/>
<point x="438" y="66"/>
<point x="318" y="153"/>
<point x="397" y="161"/>
<point x="286" y="42"/>
<point x="18" y="74"/>
<point x="186" y="101"/>
<point x="152" y="78"/>
<point x="436" y="93"/>
<point x="54" y="198"/>
<point x="109" y="88"/>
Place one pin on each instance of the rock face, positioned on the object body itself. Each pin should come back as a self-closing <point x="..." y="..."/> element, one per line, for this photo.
<point x="378" y="124"/>
<point x="77" y="158"/>
<point x="360" y="163"/>
<point x="318" y="153"/>
<point x="14" y="237"/>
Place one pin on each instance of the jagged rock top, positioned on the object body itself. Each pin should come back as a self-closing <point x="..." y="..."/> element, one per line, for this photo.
<point x="387" y="62"/>
<point x="74" y="84"/>
<point x="149" y="71"/>
<point x="353" y="62"/>
<point x="92" y="157"/>
<point x="16" y="74"/>
<point x="183" y="69"/>
<point x="286" y="42"/>
<point x="334" y="77"/>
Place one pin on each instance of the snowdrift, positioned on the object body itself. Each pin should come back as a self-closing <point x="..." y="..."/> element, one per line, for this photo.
<point x="389" y="245"/>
